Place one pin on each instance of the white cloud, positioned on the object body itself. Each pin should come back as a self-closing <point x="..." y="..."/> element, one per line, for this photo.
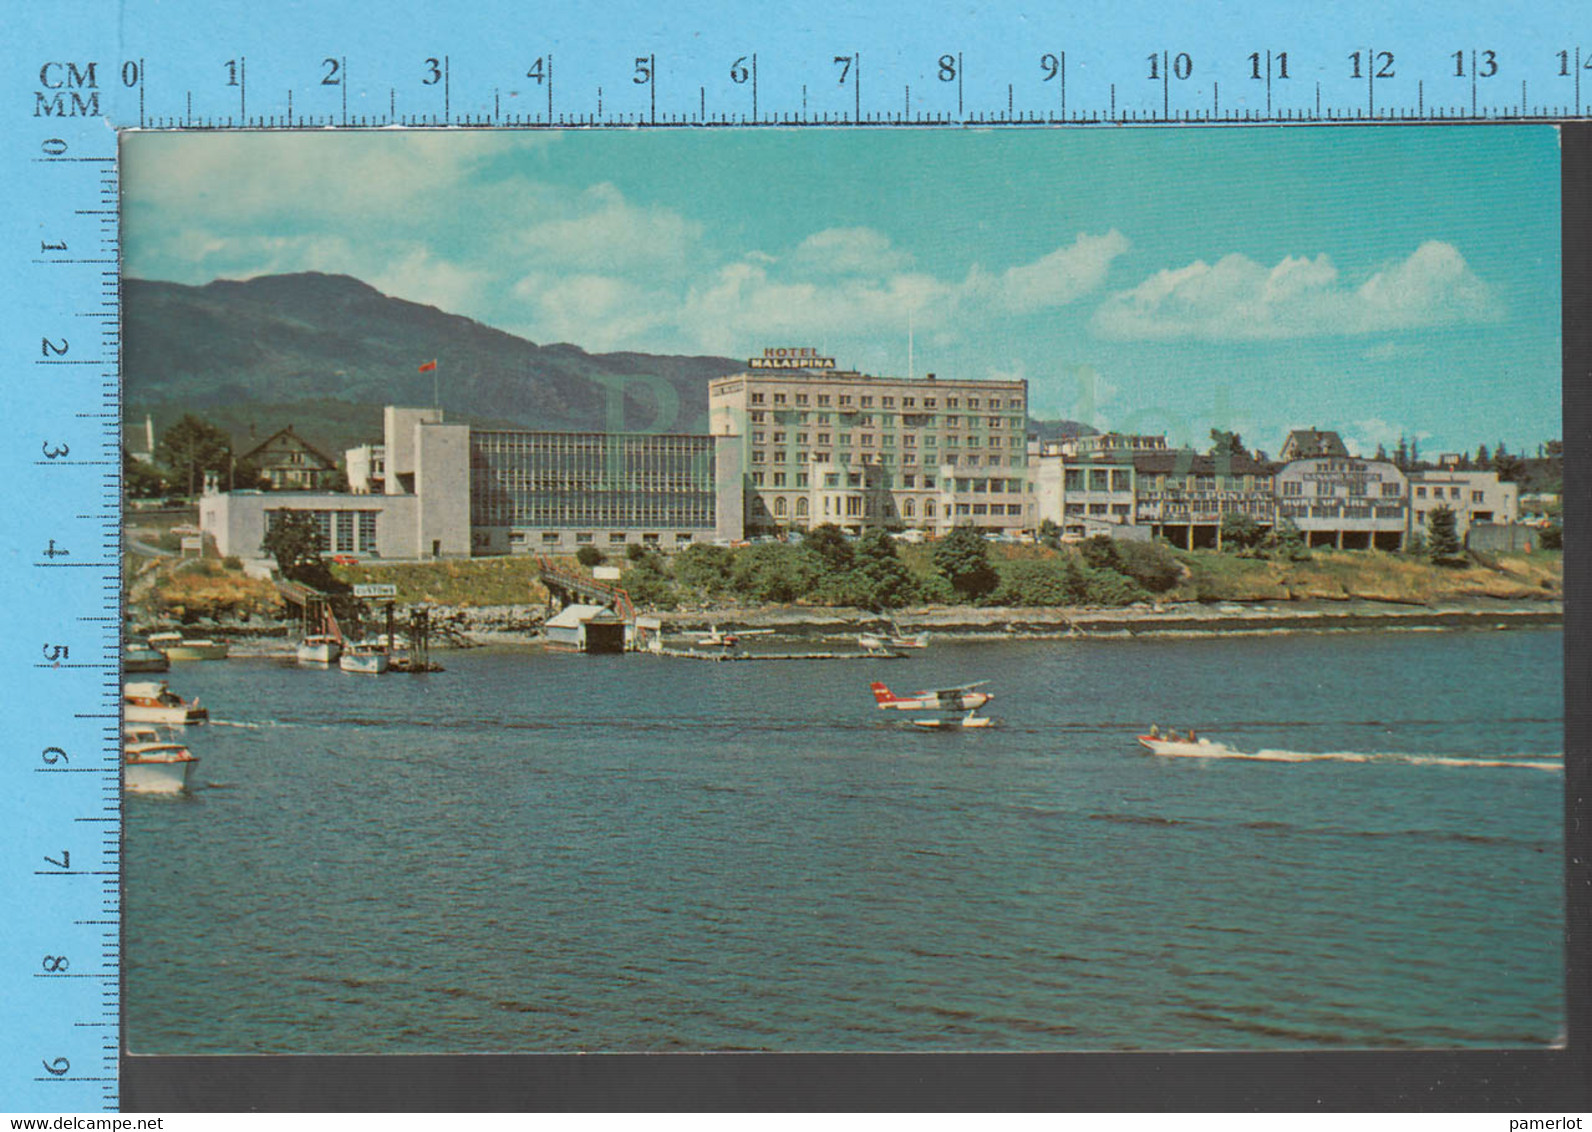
<point x="1063" y="276"/>
<point x="850" y="251"/>
<point x="607" y="233"/>
<point x="1237" y="299"/>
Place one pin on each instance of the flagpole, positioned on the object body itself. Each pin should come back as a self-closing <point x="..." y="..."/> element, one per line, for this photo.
<point x="435" y="381"/>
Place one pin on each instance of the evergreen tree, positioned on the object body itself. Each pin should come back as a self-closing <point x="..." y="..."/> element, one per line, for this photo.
<point x="1050" y="534"/>
<point x="1100" y="552"/>
<point x="1415" y="453"/>
<point x="962" y="558"/>
<point x="888" y="582"/>
<point x="829" y="543"/>
<point x="1483" y="459"/>
<point x="294" y="540"/>
<point x="1381" y="451"/>
<point x="192" y="447"/>
<point x="1442" y="541"/>
<point x="1401" y="455"/>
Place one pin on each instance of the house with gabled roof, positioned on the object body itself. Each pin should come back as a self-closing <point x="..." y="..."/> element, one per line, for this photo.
<point x="291" y="463"/>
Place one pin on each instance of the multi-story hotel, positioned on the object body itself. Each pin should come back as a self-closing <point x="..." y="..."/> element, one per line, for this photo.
<point x="824" y="445"/>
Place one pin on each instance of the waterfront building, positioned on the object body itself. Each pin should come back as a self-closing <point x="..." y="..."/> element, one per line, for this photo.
<point x="1087" y="494"/>
<point x="1111" y="444"/>
<point x="450" y="490"/>
<point x="367" y="469"/>
<point x="1473" y="497"/>
<point x="1183" y="496"/>
<point x="1307" y="443"/>
<point x="291" y="463"/>
<point x="1343" y="502"/>
<point x="825" y="445"/>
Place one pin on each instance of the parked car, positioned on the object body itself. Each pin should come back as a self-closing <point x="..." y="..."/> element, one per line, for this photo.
<point x="345" y="560"/>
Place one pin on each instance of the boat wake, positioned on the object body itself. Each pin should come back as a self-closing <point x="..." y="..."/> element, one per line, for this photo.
<point x="1218" y="751"/>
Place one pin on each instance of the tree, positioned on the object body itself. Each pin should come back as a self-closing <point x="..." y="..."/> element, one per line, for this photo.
<point x="192" y="447"/>
<point x="1401" y="454"/>
<point x="876" y="563"/>
<point x="1381" y="451"/>
<point x="1240" y="532"/>
<point x="294" y="540"/>
<point x="1442" y="542"/>
<point x="1224" y="443"/>
<point x="704" y="567"/>
<point x="962" y="558"/>
<point x="1050" y="534"/>
<point x="1287" y="542"/>
<point x="141" y="480"/>
<point x="771" y="571"/>
<point x="589" y="556"/>
<point x="1508" y="466"/>
<point x="1415" y="453"/>
<point x="829" y="543"/>
<point x="1482" y="456"/>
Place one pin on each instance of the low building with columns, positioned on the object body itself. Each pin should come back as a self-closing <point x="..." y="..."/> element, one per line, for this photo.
<point x="1344" y="502"/>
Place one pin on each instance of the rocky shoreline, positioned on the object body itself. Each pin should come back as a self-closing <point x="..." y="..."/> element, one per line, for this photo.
<point x="470" y="627"/>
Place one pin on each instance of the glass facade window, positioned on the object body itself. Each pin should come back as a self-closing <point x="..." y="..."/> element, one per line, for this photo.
<point x="566" y="479"/>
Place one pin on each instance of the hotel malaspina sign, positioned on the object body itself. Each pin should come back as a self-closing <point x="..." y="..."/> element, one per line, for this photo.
<point x="790" y="357"/>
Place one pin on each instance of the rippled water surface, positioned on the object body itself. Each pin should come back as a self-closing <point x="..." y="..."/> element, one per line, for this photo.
<point x="536" y="851"/>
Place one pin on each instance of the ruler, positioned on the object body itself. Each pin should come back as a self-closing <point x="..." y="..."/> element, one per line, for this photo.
<point x="81" y="71"/>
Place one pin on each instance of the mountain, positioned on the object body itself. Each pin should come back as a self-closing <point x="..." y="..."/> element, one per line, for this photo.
<point x="325" y="352"/>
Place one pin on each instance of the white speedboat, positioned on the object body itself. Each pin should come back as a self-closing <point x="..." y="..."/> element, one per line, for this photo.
<point x="365" y="658"/>
<point x="320" y="649"/>
<point x="889" y="642"/>
<point x="139" y="656"/>
<point x="1181" y="745"/>
<point x="151" y="765"/>
<point x="178" y="647"/>
<point x="151" y="701"/>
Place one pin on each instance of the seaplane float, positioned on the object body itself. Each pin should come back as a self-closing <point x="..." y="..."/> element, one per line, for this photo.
<point x="895" y="639"/>
<point x="962" y="701"/>
<point x="152" y="765"/>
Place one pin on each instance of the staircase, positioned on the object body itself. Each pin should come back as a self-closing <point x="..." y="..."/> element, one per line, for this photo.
<point x="566" y="583"/>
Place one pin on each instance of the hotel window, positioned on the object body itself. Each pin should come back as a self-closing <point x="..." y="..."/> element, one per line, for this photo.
<point x="887" y="402"/>
<point x="823" y="398"/>
<point x="757" y="398"/>
<point x="908" y="509"/>
<point x="887" y="440"/>
<point x="759" y="437"/>
<point x="801" y="398"/>
<point x="845" y="438"/>
<point x="802" y="457"/>
<point x="823" y="438"/>
<point x="909" y="440"/>
<point x="779" y="479"/>
<point x="972" y="402"/>
<point x="953" y="422"/>
<point x="867" y="440"/>
<point x="757" y="416"/>
<point x="994" y="422"/>
<point x="928" y="402"/>
<point x="779" y="398"/>
<point x="845" y="398"/>
<point x="779" y="438"/>
<point x="928" y="481"/>
<point x="951" y="460"/>
<point x="832" y="479"/>
<point x="950" y="402"/>
<point x="854" y="479"/>
<point x="853" y="506"/>
<point x="928" y="509"/>
<point x="779" y="506"/>
<point x="801" y="438"/>
<point x="953" y="441"/>
<point x="867" y="402"/>
<point x="801" y="479"/>
<point x="908" y="402"/>
<point x="757" y="455"/>
<point x="801" y="508"/>
<point x="757" y="479"/>
<point x="972" y="461"/>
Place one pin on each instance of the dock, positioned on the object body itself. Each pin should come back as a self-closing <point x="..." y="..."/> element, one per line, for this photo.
<point x="696" y="654"/>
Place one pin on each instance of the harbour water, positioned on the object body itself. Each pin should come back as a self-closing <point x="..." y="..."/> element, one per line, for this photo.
<point x="543" y="852"/>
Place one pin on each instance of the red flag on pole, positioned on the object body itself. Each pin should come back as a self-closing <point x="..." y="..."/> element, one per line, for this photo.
<point x="429" y="366"/>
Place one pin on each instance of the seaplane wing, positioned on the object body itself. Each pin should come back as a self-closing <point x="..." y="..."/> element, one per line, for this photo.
<point x="961" y="698"/>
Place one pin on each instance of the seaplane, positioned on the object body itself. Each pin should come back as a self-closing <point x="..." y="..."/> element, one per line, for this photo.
<point x="715" y="639"/>
<point x="950" y="701"/>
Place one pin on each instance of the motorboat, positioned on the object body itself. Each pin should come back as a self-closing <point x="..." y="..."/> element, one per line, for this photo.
<point x="178" y="647"/>
<point x="889" y="642"/>
<point x="1189" y="746"/>
<point x="139" y="656"/>
<point x="319" y="649"/>
<point x="151" y="701"/>
<point x="152" y="765"/>
<point x="365" y="658"/>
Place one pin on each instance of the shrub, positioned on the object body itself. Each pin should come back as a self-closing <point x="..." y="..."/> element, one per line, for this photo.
<point x="1100" y="553"/>
<point x="1042" y="581"/>
<point x="1240" y="532"/>
<point x="704" y="567"/>
<point x="773" y="572"/>
<point x="1107" y="587"/>
<point x="1150" y="564"/>
<point x="1551" y="538"/>
<point x="589" y="556"/>
<point x="232" y="562"/>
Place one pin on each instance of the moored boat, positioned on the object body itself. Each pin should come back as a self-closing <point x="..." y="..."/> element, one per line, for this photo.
<point x="365" y="658"/>
<point x="151" y="701"/>
<point x="151" y="765"/>
<point x="178" y="647"/>
<point x="321" y="649"/>
<point x="140" y="656"/>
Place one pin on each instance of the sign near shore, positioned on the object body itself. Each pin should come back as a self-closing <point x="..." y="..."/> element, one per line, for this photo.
<point x="371" y="589"/>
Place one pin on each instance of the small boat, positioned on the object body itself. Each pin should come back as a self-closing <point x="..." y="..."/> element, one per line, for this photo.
<point x="715" y="639"/>
<point x="1173" y="744"/>
<point x="140" y="656"/>
<point x="969" y="720"/>
<point x="151" y="701"/>
<point x="151" y="765"/>
<point x="178" y="647"/>
<point x="319" y="649"/>
<point x="365" y="658"/>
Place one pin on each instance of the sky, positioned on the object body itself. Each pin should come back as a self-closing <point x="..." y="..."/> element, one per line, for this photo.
<point x="1380" y="281"/>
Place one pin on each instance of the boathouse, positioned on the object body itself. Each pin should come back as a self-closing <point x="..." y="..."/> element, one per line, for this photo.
<point x="586" y="628"/>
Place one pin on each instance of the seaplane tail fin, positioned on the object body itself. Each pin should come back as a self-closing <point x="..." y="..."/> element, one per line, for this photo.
<point x="884" y="696"/>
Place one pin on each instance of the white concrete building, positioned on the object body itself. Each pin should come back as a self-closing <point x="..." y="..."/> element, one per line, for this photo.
<point x="1473" y="497"/>
<point x="1344" y="502"/>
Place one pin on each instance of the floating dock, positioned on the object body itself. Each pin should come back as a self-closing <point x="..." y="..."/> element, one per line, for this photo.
<point x="694" y="654"/>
